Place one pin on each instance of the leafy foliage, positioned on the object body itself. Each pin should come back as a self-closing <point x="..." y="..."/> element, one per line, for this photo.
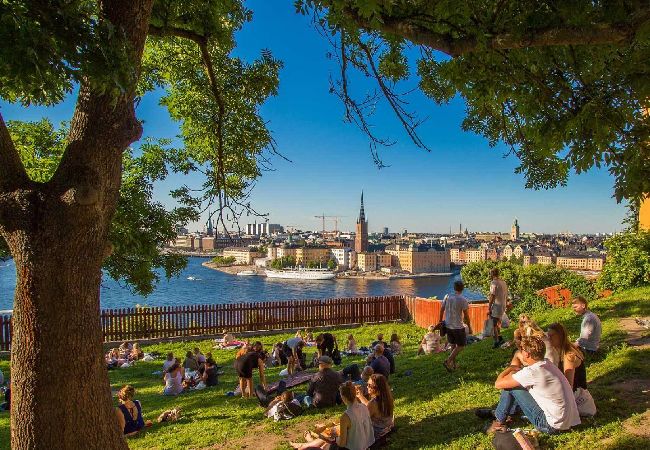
<point x="285" y="261"/>
<point x="524" y="282"/>
<point x="140" y="225"/>
<point x="224" y="260"/>
<point x="628" y="261"/>
<point x="563" y="85"/>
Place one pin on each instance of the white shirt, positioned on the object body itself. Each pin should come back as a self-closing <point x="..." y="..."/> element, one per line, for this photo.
<point x="167" y="364"/>
<point x="551" y="391"/>
<point x="499" y="289"/>
<point x="431" y="342"/>
<point x="454" y="305"/>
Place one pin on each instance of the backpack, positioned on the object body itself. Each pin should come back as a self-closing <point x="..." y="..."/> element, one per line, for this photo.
<point x="336" y="355"/>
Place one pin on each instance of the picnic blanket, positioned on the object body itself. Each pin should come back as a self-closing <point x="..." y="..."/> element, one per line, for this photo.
<point x="296" y="380"/>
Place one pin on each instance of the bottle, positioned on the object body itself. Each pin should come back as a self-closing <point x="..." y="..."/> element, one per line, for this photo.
<point x="523" y="440"/>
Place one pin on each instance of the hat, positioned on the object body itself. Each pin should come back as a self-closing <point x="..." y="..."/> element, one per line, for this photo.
<point x="325" y="360"/>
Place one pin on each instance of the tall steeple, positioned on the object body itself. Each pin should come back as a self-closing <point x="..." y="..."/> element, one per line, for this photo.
<point x="361" y="237"/>
<point x="362" y="213"/>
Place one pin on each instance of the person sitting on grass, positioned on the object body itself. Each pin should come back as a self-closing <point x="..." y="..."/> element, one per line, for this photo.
<point x="168" y="362"/>
<point x="210" y="376"/>
<point x="430" y="342"/>
<point x="136" y="353"/>
<point x="528" y="327"/>
<point x="351" y="346"/>
<point x="245" y="364"/>
<point x="190" y="362"/>
<point x="283" y="407"/>
<point x="539" y="390"/>
<point x="324" y="385"/>
<point x="379" y="362"/>
<point x="200" y="357"/>
<point x="395" y="344"/>
<point x="571" y="360"/>
<point x="590" y="328"/>
<point x="454" y="308"/>
<point x="129" y="412"/>
<point x="380" y="340"/>
<point x="379" y="401"/>
<point x="366" y="373"/>
<point x="354" y="431"/>
<point x="173" y="379"/>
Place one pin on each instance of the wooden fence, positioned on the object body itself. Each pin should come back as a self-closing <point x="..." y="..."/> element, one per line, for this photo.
<point x="5" y="333"/>
<point x="425" y="312"/>
<point x="129" y="324"/>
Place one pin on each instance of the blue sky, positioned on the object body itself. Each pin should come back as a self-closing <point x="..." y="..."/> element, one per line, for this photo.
<point x="462" y="179"/>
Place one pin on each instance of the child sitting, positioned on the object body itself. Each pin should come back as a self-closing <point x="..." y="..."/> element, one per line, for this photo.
<point x="352" y="345"/>
<point x="395" y="345"/>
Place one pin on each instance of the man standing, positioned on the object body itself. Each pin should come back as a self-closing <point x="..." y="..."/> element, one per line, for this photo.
<point x="497" y="304"/>
<point x="590" y="329"/>
<point x="540" y="390"/>
<point x="456" y="307"/>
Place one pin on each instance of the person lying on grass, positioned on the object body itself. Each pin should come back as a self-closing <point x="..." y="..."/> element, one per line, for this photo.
<point x="540" y="391"/>
<point x="354" y="431"/>
<point x="129" y="412"/>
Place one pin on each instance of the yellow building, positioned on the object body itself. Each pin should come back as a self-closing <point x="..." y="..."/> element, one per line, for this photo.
<point x="242" y="255"/>
<point x="306" y="255"/>
<point x="475" y="254"/>
<point x="413" y="259"/>
<point x="367" y="262"/>
<point x="581" y="262"/>
<point x="644" y="214"/>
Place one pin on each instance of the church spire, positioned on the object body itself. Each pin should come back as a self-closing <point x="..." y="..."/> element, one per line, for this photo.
<point x="362" y="213"/>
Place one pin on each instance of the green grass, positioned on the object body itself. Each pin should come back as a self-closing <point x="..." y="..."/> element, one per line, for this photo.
<point x="433" y="408"/>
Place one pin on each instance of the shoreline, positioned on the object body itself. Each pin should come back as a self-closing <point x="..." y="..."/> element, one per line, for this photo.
<point x="230" y="270"/>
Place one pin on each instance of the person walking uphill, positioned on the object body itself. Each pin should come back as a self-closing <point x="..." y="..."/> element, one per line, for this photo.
<point x="454" y="308"/>
<point x="497" y="304"/>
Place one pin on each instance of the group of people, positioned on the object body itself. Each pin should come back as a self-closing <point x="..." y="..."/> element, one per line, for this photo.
<point x="196" y="371"/>
<point x="125" y="353"/>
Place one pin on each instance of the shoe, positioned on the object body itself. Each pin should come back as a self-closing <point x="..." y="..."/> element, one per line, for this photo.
<point x="485" y="413"/>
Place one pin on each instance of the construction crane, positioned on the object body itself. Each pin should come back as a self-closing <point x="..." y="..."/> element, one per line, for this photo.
<point x="336" y="221"/>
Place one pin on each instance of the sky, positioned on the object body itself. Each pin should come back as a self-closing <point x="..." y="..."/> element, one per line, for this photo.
<point x="461" y="180"/>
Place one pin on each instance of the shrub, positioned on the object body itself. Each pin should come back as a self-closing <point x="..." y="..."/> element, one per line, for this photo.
<point x="628" y="261"/>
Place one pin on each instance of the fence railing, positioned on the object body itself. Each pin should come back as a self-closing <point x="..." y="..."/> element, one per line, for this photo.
<point x="129" y="324"/>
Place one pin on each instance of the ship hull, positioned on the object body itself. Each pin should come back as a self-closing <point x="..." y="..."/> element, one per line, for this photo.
<point x="300" y="274"/>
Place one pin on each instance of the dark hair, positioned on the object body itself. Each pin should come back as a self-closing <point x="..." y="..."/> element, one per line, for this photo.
<point x="394" y="338"/>
<point x="173" y="367"/>
<point x="459" y="286"/>
<point x="348" y="391"/>
<point x="257" y="346"/>
<point x="383" y="395"/>
<point x="170" y="356"/>
<point x="494" y="272"/>
<point x="211" y="361"/>
<point x="189" y="354"/>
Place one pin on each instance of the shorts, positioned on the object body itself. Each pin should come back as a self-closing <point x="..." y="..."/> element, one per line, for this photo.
<point x="496" y="312"/>
<point x="457" y="337"/>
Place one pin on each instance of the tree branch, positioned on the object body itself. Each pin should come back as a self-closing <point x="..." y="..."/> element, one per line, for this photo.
<point x="598" y="34"/>
<point x="163" y="31"/>
<point x="12" y="171"/>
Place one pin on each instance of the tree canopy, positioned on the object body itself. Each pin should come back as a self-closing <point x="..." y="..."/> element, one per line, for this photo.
<point x="563" y="84"/>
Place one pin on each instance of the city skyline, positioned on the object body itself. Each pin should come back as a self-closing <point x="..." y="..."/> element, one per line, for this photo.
<point x="461" y="180"/>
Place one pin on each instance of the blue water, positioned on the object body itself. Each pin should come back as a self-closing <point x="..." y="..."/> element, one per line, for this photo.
<point x="211" y="286"/>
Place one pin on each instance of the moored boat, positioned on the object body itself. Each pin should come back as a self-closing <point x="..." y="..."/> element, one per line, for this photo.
<point x="301" y="274"/>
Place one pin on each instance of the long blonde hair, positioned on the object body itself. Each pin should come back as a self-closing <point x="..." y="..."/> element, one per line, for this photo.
<point x="566" y="347"/>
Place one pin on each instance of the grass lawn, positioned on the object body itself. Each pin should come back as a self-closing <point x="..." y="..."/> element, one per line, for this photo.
<point x="434" y="409"/>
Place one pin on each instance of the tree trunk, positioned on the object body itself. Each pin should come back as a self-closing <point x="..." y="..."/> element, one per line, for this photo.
<point x="61" y="397"/>
<point x="58" y="235"/>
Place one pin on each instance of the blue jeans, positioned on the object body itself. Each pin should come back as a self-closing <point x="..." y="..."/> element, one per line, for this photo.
<point x="513" y="399"/>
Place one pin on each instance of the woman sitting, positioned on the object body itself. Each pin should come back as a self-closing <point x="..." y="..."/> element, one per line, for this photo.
<point x="113" y="358"/>
<point x="395" y="344"/>
<point x="129" y="412"/>
<point x="136" y="353"/>
<point x="430" y="342"/>
<point x="210" y="377"/>
<point x="380" y="405"/>
<point x="354" y="431"/>
<point x="190" y="362"/>
<point x="173" y="380"/>
<point x="571" y="360"/>
<point x="352" y="345"/>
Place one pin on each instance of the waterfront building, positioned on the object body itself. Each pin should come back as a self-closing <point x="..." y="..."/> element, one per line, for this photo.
<point x="384" y="260"/>
<point x="367" y="262"/>
<point x="320" y="255"/>
<point x="514" y="231"/>
<point x="361" y="237"/>
<point x="581" y="262"/>
<point x="242" y="255"/>
<point x="185" y="242"/>
<point x="419" y="259"/>
<point x="342" y="256"/>
<point x="454" y="255"/>
<point x="476" y="254"/>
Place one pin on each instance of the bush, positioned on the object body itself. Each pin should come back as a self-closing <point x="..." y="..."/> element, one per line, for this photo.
<point x="529" y="303"/>
<point x="228" y="260"/>
<point x="628" y="261"/>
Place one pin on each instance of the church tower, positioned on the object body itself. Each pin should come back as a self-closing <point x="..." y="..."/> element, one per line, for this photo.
<point x="361" y="238"/>
<point x="514" y="231"/>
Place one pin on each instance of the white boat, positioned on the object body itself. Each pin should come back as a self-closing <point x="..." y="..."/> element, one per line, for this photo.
<point x="301" y="274"/>
<point x="247" y="273"/>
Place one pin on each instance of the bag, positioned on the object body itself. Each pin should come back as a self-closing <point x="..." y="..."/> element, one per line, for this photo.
<point x="505" y="321"/>
<point x="336" y="355"/>
<point x="488" y="328"/>
<point x="585" y="402"/>
<point x="286" y="411"/>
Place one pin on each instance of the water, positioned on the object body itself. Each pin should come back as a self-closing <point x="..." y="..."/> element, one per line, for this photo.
<point x="200" y="285"/>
